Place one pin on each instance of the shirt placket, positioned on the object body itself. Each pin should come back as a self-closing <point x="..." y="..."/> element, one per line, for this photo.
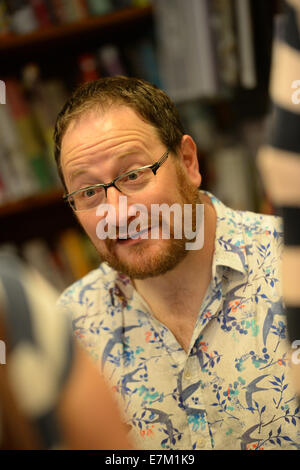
<point x="192" y="392"/>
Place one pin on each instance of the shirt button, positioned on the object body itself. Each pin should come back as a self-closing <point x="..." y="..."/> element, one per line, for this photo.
<point x="201" y="442"/>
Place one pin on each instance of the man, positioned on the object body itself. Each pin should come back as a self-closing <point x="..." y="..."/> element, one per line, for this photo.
<point x="192" y="340"/>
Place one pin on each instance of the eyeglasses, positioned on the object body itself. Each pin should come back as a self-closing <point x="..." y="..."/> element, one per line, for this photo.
<point x="128" y="183"/>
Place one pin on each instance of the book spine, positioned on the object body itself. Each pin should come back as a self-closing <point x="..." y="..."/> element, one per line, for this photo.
<point x="4" y="23"/>
<point x="10" y="142"/>
<point x="41" y="12"/>
<point x="81" y="9"/>
<point x="57" y="11"/>
<point x="71" y="243"/>
<point x="99" y="7"/>
<point x="246" y="47"/>
<point x="88" y="67"/>
<point x="140" y="3"/>
<point x="45" y="99"/>
<point x="22" y="17"/>
<point x="29" y="140"/>
<point x="10" y="191"/>
<point x="110" y="60"/>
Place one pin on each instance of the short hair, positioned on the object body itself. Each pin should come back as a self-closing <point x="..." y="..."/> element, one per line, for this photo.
<point x="147" y="100"/>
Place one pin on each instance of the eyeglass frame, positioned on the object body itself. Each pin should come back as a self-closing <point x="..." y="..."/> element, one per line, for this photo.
<point x="154" y="167"/>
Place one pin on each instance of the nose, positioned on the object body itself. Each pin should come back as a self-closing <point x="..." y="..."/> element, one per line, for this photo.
<point x="119" y="206"/>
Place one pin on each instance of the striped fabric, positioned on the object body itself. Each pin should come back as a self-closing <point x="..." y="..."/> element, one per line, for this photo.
<point x="279" y="161"/>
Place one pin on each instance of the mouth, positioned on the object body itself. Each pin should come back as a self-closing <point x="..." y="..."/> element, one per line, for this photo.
<point x="135" y="237"/>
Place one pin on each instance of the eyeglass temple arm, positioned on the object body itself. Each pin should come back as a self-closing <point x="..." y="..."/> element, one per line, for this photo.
<point x="160" y="162"/>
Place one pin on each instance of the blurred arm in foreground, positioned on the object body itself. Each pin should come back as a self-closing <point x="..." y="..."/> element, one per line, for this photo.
<point x="51" y="393"/>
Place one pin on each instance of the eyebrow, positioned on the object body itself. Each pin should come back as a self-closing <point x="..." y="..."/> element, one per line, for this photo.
<point x="77" y="173"/>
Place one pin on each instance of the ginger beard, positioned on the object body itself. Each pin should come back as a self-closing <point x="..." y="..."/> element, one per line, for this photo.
<point x="146" y="261"/>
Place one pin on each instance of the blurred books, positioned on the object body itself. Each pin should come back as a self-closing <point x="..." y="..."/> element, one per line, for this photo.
<point x="205" y="47"/>
<point x="26" y="16"/>
<point x="67" y="260"/>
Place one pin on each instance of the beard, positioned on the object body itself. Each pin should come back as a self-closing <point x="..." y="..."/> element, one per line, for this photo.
<point x="151" y="261"/>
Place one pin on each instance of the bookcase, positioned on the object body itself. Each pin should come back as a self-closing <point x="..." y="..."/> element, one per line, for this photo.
<point x="38" y="224"/>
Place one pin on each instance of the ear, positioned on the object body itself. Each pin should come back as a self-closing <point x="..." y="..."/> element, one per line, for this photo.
<point x="189" y="159"/>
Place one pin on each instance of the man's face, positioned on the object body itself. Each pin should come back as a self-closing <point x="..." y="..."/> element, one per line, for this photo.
<point x="101" y="146"/>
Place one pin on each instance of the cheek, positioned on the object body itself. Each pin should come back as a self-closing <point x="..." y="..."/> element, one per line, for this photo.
<point x="89" y="223"/>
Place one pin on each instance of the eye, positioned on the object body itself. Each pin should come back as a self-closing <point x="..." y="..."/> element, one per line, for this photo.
<point x="133" y="176"/>
<point x="88" y="193"/>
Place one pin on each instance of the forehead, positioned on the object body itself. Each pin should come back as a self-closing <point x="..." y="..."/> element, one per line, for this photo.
<point x="105" y="128"/>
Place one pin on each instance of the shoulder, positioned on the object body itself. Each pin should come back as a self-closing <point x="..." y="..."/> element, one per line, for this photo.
<point x="262" y="229"/>
<point x="88" y="290"/>
<point x="247" y="224"/>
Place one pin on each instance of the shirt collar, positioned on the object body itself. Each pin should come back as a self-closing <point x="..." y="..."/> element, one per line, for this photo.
<point x="231" y="251"/>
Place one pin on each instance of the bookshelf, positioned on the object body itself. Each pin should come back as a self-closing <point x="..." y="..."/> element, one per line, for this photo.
<point x="117" y="21"/>
<point x="16" y="208"/>
<point x="42" y="219"/>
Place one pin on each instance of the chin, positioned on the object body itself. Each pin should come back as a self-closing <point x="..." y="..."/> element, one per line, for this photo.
<point x="144" y="262"/>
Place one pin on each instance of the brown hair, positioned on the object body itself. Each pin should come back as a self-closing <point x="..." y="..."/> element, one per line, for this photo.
<point x="151" y="103"/>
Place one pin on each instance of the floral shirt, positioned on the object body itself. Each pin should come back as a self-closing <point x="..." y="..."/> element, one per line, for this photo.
<point x="232" y="390"/>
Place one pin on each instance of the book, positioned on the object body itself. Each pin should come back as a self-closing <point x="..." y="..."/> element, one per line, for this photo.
<point x="73" y="10"/>
<point x="71" y="245"/>
<point x="21" y="175"/>
<point x="45" y="99"/>
<point x="2" y="187"/>
<point x="41" y="13"/>
<point x="9" y="190"/>
<point x="4" y="19"/>
<point x="110" y="61"/>
<point x="99" y="7"/>
<point x="22" y="18"/>
<point x="205" y="51"/>
<point x="28" y="136"/>
<point x="57" y="11"/>
<point x="143" y="61"/>
<point x="233" y="177"/>
<point x="88" y="67"/>
<point x="185" y="49"/>
<point x="38" y="255"/>
<point x="246" y="51"/>
<point x="225" y="44"/>
<point x="80" y="9"/>
<point x="140" y="3"/>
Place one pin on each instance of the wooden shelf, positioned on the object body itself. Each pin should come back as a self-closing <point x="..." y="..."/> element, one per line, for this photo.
<point x="30" y="203"/>
<point x="52" y="34"/>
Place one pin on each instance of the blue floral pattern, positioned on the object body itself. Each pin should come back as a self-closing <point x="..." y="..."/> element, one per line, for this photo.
<point x="233" y="389"/>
